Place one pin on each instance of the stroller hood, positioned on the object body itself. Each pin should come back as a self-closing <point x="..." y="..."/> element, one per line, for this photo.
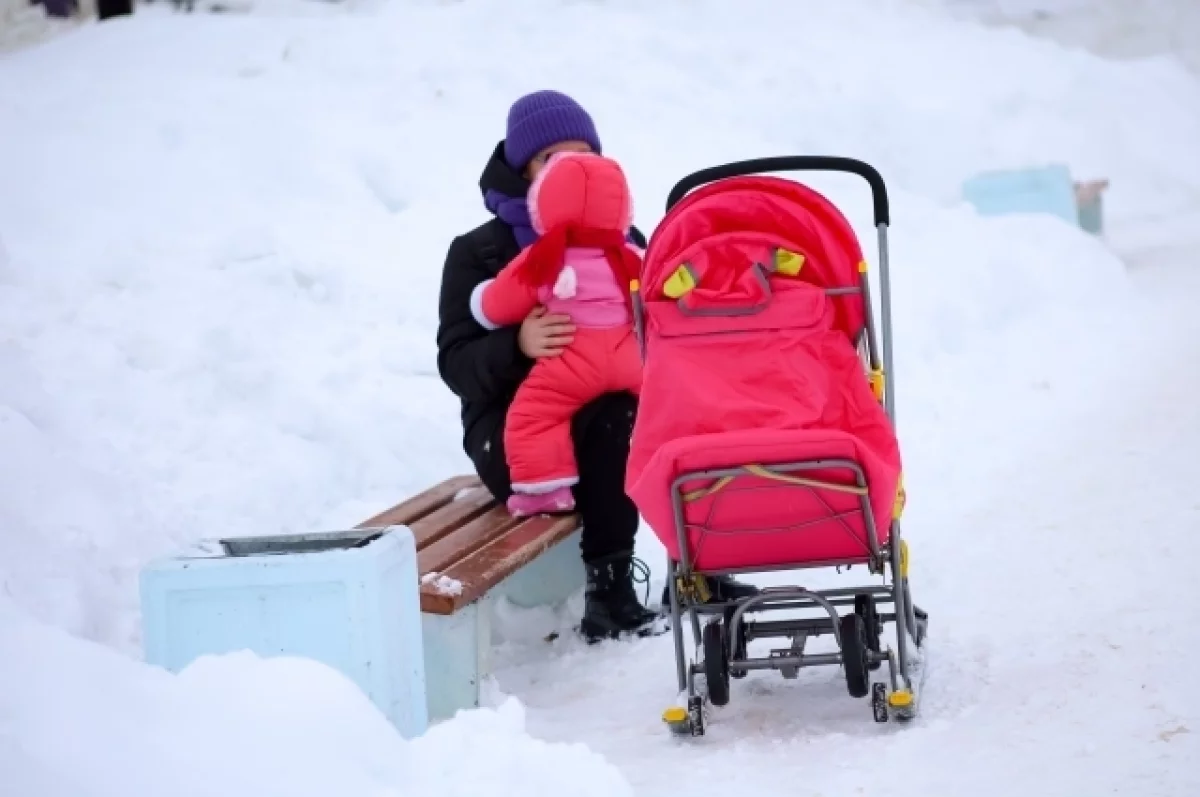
<point x="775" y="213"/>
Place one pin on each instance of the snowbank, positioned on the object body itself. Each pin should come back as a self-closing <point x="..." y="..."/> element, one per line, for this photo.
<point x="224" y="238"/>
<point x="84" y="720"/>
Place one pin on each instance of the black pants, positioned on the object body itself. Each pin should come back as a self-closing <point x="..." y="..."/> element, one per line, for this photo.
<point x="601" y="432"/>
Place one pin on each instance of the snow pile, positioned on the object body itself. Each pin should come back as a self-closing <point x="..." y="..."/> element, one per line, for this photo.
<point x="218" y="305"/>
<point x="84" y="720"/>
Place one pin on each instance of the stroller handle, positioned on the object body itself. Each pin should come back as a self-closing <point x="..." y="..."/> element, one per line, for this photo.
<point x="789" y="163"/>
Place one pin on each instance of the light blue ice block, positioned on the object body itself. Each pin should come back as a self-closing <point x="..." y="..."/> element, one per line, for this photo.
<point x="1047" y="189"/>
<point x="347" y="599"/>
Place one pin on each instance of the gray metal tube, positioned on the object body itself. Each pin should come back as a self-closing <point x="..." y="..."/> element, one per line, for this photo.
<point x="681" y="662"/>
<point x="885" y="301"/>
<point x="813" y="626"/>
<point x="806" y="660"/>
<point x="771" y="593"/>
<point x="900" y="604"/>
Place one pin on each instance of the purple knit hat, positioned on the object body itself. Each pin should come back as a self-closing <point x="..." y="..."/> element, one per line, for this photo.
<point x="541" y="119"/>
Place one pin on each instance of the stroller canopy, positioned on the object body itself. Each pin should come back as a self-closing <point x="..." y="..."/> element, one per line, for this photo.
<point x="775" y="213"/>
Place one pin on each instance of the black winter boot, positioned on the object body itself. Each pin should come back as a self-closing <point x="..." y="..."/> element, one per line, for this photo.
<point x="612" y="609"/>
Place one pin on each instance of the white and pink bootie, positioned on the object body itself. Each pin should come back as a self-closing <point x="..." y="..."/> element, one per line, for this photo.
<point x="557" y="501"/>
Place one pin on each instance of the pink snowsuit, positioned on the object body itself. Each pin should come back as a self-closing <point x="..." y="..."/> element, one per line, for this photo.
<point x="580" y="266"/>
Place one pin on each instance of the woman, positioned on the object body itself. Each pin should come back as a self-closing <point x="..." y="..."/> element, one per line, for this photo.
<point x="483" y="368"/>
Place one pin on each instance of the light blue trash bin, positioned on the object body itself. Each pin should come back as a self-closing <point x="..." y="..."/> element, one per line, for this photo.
<point x="1046" y="189"/>
<point x="347" y="599"/>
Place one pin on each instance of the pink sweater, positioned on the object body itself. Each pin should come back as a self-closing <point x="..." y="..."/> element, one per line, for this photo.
<point x="588" y="291"/>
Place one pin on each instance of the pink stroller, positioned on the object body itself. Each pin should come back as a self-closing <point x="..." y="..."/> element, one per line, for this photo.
<point x="765" y="439"/>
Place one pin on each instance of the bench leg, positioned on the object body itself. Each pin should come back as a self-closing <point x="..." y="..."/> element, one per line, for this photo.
<point x="457" y="658"/>
<point x="458" y="646"/>
<point x="549" y="579"/>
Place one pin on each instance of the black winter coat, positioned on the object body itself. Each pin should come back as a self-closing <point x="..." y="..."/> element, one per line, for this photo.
<point x="483" y="368"/>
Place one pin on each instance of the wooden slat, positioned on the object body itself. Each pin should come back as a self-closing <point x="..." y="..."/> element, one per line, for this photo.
<point x="472" y="540"/>
<point x="445" y="519"/>
<point x="439" y="555"/>
<point x="420" y="505"/>
<point x="491" y="564"/>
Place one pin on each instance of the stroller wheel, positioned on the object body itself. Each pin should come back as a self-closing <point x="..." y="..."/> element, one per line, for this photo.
<point x="864" y="607"/>
<point x="855" y="657"/>
<point x="716" y="663"/>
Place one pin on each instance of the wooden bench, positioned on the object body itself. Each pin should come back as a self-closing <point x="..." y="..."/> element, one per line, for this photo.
<point x="470" y="551"/>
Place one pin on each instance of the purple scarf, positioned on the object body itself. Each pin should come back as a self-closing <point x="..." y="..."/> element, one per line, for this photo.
<point x="515" y="213"/>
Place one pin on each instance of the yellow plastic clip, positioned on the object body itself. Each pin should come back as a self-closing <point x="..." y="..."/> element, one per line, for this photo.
<point x="877" y="378"/>
<point x="903" y="558"/>
<point x="635" y="286"/>
<point x="694" y="590"/>
<point x="901" y="500"/>
<point x="679" y="283"/>
<point x="901" y="698"/>
<point x="862" y="267"/>
<point x="788" y="263"/>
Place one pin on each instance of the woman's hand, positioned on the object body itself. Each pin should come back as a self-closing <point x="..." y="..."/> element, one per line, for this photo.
<point x="543" y="335"/>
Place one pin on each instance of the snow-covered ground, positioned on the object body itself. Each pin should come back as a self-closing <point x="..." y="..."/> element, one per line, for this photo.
<point x="220" y="245"/>
<point x="1112" y="28"/>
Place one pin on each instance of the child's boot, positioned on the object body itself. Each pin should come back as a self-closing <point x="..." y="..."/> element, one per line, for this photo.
<point x="556" y="501"/>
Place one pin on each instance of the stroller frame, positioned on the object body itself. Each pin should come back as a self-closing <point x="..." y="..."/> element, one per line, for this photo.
<point x="721" y="644"/>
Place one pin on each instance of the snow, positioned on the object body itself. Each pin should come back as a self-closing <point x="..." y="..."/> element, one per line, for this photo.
<point x="82" y="720"/>
<point x="220" y="246"/>
<point x="443" y="584"/>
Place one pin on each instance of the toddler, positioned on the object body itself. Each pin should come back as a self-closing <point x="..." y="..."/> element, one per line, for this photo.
<point x="581" y="265"/>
